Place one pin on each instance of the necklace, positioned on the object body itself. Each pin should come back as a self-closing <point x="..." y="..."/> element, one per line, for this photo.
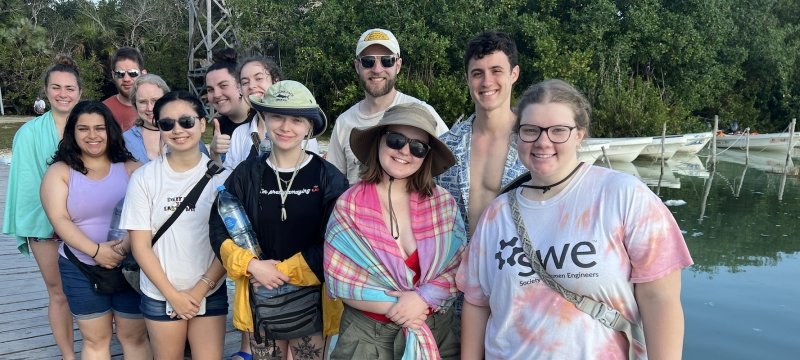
<point x="285" y="194"/>
<point x="149" y="128"/>
<point x="546" y="188"/>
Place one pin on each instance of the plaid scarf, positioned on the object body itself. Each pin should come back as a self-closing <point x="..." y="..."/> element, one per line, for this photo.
<point x="362" y="260"/>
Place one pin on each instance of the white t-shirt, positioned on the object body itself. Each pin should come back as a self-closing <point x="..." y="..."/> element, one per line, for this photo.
<point x="184" y="251"/>
<point x="241" y="143"/>
<point x="601" y="235"/>
<point x="339" y="153"/>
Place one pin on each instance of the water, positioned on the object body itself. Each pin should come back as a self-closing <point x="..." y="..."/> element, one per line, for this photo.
<point x="741" y="299"/>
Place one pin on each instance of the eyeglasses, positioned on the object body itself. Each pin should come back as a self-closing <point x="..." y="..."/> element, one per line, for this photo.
<point x="397" y="141"/>
<point x="186" y="122"/>
<point x="368" y="61"/>
<point x="119" y="74"/>
<point x="557" y="134"/>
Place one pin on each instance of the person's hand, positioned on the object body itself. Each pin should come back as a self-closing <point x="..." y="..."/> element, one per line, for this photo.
<point x="184" y="306"/>
<point x="220" y="143"/>
<point x="107" y="256"/>
<point x="264" y="273"/>
<point x="408" y="310"/>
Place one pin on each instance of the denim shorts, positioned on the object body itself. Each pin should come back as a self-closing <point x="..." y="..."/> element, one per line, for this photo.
<point x="216" y="305"/>
<point x="86" y="304"/>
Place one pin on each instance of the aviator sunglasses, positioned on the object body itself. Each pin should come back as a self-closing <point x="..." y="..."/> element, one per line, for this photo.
<point x="167" y="124"/>
<point x="396" y="141"/>
<point x="368" y="61"/>
<point x="119" y="74"/>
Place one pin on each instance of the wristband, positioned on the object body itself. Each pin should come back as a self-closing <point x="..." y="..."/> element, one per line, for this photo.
<point x="208" y="281"/>
<point x="96" y="251"/>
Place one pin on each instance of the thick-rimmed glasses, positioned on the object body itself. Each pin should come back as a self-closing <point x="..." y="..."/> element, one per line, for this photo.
<point x="557" y="133"/>
<point x="368" y="61"/>
<point x="186" y="122"/>
<point x="119" y="74"/>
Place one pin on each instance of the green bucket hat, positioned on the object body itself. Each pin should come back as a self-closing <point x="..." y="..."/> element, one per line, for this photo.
<point x="291" y="98"/>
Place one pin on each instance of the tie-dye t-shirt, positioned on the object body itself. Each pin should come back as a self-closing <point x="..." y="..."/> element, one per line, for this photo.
<point x="602" y="234"/>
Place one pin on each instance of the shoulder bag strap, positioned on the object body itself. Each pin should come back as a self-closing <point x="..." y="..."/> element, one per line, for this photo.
<point x="213" y="169"/>
<point x="601" y="312"/>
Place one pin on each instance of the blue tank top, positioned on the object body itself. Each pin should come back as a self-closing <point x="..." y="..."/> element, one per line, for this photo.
<point x="91" y="203"/>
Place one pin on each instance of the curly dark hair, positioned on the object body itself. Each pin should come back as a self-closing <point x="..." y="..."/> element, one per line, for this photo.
<point x="274" y="71"/>
<point x="70" y="153"/>
<point x="489" y="42"/>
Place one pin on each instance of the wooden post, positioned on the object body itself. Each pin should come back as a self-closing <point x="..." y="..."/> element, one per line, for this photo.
<point x="788" y="158"/>
<point x="747" y="147"/>
<point x="608" y="161"/>
<point x="2" y="108"/>
<point x="712" y="158"/>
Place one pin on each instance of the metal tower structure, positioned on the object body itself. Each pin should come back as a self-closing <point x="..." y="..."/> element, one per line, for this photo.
<point x="210" y="29"/>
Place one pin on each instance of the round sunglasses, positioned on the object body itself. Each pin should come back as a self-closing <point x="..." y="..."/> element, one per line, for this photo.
<point x="186" y="122"/>
<point x="397" y="141"/>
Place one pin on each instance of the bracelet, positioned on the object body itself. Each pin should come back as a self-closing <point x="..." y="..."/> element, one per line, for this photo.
<point x="208" y="281"/>
<point x="96" y="251"/>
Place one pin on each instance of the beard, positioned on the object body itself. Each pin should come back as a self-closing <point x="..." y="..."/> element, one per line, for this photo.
<point x="378" y="91"/>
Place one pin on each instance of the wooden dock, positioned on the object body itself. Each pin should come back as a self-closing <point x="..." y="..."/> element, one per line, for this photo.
<point x="24" y="328"/>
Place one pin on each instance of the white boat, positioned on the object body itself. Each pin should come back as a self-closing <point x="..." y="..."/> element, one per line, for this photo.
<point x="774" y="142"/>
<point x="620" y="149"/>
<point x="671" y="145"/>
<point x="589" y="153"/>
<point x="695" y="142"/>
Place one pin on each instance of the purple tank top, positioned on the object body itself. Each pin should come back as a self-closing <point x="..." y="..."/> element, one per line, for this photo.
<point x="91" y="203"/>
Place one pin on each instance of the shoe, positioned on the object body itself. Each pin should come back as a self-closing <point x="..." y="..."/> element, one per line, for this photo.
<point x="243" y="355"/>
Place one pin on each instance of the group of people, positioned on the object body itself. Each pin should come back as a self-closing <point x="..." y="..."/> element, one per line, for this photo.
<point x="406" y="239"/>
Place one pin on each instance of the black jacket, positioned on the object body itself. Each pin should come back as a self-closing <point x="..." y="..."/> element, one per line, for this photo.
<point x="244" y="183"/>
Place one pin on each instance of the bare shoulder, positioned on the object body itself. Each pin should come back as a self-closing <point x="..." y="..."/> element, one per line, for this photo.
<point x="131" y="166"/>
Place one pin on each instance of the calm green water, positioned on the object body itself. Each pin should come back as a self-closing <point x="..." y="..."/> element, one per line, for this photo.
<point x="742" y="297"/>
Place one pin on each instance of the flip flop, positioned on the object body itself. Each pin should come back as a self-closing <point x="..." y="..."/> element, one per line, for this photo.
<point x="243" y="355"/>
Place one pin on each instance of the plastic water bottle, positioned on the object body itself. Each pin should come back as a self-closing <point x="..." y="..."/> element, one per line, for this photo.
<point x="232" y="213"/>
<point x="114" y="232"/>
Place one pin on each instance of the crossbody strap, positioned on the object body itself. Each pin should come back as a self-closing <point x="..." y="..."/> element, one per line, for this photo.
<point x="601" y="312"/>
<point x="190" y="199"/>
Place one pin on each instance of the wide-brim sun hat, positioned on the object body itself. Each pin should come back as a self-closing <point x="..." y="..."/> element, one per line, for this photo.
<point x="412" y="114"/>
<point x="291" y="98"/>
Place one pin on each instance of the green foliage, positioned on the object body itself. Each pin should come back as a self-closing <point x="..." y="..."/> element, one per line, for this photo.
<point x="641" y="63"/>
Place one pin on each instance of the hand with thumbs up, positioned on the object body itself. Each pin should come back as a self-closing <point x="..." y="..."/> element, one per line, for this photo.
<point x="220" y="143"/>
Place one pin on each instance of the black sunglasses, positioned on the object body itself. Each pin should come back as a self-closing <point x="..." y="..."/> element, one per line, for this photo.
<point x="368" y="61"/>
<point x="167" y="124"/>
<point x="119" y="74"/>
<point x="396" y="141"/>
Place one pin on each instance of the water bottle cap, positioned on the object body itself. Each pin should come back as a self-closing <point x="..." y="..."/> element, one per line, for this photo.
<point x="220" y="188"/>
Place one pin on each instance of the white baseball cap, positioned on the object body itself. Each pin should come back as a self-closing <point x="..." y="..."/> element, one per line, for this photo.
<point x="381" y="37"/>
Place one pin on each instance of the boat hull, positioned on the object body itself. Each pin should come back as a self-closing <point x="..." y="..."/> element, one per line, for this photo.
<point x="620" y="149"/>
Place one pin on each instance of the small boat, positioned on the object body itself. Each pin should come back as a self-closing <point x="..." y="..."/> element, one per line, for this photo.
<point x="773" y="142"/>
<point x="671" y="145"/>
<point x="589" y="153"/>
<point x="695" y="142"/>
<point x="620" y="149"/>
<point x="768" y="161"/>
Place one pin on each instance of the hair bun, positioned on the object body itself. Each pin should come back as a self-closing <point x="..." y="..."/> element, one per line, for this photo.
<point x="66" y="60"/>
<point x="225" y="55"/>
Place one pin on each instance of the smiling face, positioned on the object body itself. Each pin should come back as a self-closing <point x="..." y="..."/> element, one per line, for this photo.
<point x="90" y="135"/>
<point x="63" y="92"/>
<point x="223" y="92"/>
<point x="377" y="81"/>
<point x="287" y="132"/>
<point x="182" y="139"/>
<point x="125" y="83"/>
<point x="549" y="162"/>
<point x="401" y="164"/>
<point x="255" y="79"/>
<point x="146" y="96"/>
<point x="490" y="80"/>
